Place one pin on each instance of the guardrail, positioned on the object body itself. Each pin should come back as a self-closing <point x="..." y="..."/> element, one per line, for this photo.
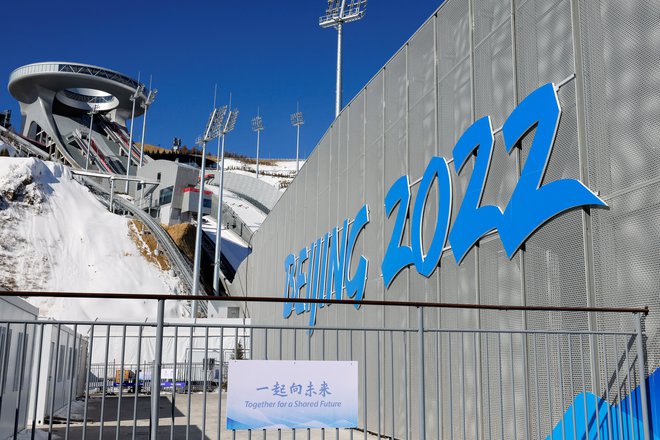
<point x="30" y="149"/>
<point x="22" y="145"/>
<point x="84" y="69"/>
<point x="423" y="381"/>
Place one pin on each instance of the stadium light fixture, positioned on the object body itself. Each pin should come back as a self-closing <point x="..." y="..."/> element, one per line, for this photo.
<point x="92" y="112"/>
<point x="257" y="125"/>
<point x="229" y="125"/>
<point x="297" y="120"/>
<point x="134" y="97"/>
<point x="215" y="124"/>
<point x="337" y="13"/>
<point x="211" y="132"/>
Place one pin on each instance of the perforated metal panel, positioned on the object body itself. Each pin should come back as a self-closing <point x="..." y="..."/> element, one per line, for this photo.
<point x="324" y="223"/>
<point x="418" y="106"/>
<point x="628" y="272"/>
<point x="396" y="165"/>
<point x="489" y="15"/>
<point x="373" y="184"/>
<point x="544" y="46"/>
<point x="494" y="97"/>
<point x="621" y="46"/>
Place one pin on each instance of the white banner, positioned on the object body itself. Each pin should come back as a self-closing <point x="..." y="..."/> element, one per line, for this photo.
<point x="292" y="394"/>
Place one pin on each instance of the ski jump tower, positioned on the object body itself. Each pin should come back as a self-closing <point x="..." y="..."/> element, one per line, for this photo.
<point x="78" y="113"/>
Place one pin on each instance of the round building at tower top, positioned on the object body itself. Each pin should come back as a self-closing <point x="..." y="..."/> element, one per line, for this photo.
<point x="76" y="85"/>
<point x="78" y="112"/>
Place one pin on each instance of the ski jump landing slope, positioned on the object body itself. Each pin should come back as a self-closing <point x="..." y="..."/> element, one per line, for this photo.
<point x="56" y="236"/>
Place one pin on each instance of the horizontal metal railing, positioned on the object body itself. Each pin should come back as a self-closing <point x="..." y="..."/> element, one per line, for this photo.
<point x="365" y="302"/>
<point x="420" y="381"/>
<point x="21" y="144"/>
<point x="86" y="69"/>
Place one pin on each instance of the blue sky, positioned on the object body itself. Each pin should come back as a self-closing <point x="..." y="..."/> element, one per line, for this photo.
<point x="268" y="54"/>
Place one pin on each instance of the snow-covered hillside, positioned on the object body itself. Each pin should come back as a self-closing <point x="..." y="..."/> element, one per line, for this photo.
<point x="278" y="173"/>
<point x="56" y="236"/>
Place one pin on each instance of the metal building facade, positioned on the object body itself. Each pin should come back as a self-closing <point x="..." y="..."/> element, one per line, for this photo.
<point x="474" y="58"/>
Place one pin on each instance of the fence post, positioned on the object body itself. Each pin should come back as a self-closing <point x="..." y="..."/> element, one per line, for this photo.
<point x="422" y="397"/>
<point x="155" y="375"/>
<point x="642" y="376"/>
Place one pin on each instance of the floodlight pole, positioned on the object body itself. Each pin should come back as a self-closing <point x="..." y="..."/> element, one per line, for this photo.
<point x="258" y="135"/>
<point x="198" y="235"/>
<point x="257" y="125"/>
<point x="340" y="27"/>
<point x="130" y="142"/>
<point x="91" y="114"/>
<point x="200" y="209"/>
<point x="336" y="16"/>
<point x="297" y="148"/>
<point x="134" y="97"/>
<point x="145" y="105"/>
<point x="144" y="128"/>
<point x="297" y="120"/>
<point x="229" y="126"/>
<point x="218" y="226"/>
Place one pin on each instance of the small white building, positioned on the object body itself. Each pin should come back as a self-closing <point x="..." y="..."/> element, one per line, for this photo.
<point x="64" y="358"/>
<point x="176" y="196"/>
<point x="16" y="349"/>
<point x="190" y="202"/>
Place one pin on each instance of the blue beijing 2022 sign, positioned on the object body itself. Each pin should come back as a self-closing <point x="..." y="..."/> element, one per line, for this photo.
<point x="323" y="268"/>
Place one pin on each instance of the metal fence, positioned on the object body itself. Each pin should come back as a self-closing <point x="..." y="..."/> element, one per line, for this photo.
<point x="96" y="382"/>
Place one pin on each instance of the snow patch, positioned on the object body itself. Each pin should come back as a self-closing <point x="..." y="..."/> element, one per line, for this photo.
<point x="56" y="236"/>
<point x="279" y="174"/>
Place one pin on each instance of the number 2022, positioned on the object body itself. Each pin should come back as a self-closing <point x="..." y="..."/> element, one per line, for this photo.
<point x="530" y="206"/>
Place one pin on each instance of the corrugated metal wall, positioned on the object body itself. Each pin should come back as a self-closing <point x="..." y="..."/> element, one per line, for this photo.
<point x="445" y="77"/>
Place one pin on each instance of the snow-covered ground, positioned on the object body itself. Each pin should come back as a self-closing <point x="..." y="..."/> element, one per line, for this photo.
<point x="278" y="175"/>
<point x="56" y="236"/>
<point x="252" y="216"/>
